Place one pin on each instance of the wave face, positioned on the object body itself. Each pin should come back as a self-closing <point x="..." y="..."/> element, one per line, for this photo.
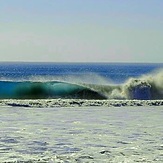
<point x="81" y="81"/>
<point x="149" y="87"/>
<point x="43" y="90"/>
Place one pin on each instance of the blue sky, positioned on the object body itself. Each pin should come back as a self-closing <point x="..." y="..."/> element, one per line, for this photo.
<point x="81" y="30"/>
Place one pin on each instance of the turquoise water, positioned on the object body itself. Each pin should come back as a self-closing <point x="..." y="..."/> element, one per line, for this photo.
<point x="81" y="81"/>
<point x="58" y="112"/>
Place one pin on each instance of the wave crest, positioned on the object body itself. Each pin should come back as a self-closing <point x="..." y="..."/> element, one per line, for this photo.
<point x="147" y="87"/>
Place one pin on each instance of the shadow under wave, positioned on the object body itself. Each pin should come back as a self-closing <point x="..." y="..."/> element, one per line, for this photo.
<point x="46" y="90"/>
<point x="147" y="87"/>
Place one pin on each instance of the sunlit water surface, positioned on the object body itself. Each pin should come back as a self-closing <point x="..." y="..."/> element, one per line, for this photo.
<point x="87" y="134"/>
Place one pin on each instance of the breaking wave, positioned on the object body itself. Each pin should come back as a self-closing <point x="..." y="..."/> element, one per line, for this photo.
<point x="43" y="90"/>
<point x="147" y="87"/>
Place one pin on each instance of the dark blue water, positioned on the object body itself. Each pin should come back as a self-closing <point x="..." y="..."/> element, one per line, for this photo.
<point x="93" y="133"/>
<point x="115" y="71"/>
<point x="81" y="81"/>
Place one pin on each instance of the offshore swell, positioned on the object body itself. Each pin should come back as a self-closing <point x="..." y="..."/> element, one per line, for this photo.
<point x="34" y="127"/>
<point x="146" y="90"/>
<point x="80" y="84"/>
<point x="147" y="87"/>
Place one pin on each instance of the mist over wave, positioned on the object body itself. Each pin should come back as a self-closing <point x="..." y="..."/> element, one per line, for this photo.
<point x="87" y="86"/>
<point x="88" y="78"/>
<point x="146" y="87"/>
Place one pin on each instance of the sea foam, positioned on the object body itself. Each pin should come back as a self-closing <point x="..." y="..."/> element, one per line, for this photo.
<point x="146" y="87"/>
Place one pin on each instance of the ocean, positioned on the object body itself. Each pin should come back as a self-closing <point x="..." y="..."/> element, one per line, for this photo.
<point x="81" y="112"/>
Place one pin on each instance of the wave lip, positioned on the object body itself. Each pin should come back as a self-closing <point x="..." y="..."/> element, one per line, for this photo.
<point x="149" y="87"/>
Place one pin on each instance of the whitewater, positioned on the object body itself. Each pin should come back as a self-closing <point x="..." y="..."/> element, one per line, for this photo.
<point x="81" y="134"/>
<point x="146" y="89"/>
<point x="78" y="113"/>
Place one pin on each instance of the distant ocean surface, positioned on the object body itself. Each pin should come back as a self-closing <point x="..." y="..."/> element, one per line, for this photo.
<point x="81" y="113"/>
<point x="94" y="81"/>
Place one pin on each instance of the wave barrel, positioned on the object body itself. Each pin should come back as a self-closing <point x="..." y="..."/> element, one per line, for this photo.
<point x="139" y="90"/>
